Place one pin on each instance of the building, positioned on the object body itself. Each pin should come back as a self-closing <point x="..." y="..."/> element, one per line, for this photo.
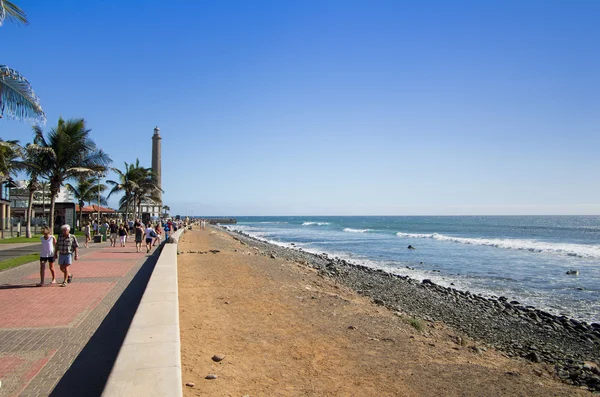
<point x="5" y="208"/>
<point x="64" y="206"/>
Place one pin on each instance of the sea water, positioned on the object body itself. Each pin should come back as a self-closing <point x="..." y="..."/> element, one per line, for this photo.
<point x="523" y="258"/>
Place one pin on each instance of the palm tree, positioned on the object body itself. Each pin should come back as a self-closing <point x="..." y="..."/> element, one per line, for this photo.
<point x="138" y="183"/>
<point x="166" y="209"/>
<point x="10" y="152"/>
<point x="147" y="188"/>
<point x="16" y="95"/>
<point x="126" y="184"/>
<point x="87" y="190"/>
<point x="71" y="153"/>
<point x="32" y="164"/>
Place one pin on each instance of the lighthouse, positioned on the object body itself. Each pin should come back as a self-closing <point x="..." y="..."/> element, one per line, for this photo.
<point x="156" y="160"/>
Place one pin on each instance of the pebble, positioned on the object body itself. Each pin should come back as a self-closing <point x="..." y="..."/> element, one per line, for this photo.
<point x="190" y="384"/>
<point x="210" y="376"/>
<point x="218" y="357"/>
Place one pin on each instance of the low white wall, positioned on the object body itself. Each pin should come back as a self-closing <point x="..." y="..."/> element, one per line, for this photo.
<point x="149" y="362"/>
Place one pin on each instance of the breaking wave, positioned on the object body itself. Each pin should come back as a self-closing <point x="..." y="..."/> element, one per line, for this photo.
<point x="578" y="250"/>
<point x="349" y="230"/>
<point x="315" y="223"/>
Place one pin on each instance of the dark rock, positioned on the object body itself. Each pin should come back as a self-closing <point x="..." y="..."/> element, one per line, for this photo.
<point x="533" y="357"/>
<point x="218" y="357"/>
<point x="190" y="384"/>
<point x="210" y="376"/>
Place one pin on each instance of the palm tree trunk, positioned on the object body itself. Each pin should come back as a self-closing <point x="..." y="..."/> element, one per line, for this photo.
<point x="81" y="215"/>
<point x="29" y="211"/>
<point x="53" y="194"/>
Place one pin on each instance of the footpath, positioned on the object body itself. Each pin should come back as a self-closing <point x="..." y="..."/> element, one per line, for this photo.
<point x="64" y="341"/>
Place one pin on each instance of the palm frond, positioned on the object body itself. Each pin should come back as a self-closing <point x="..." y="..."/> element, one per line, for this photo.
<point x="12" y="12"/>
<point x="17" y="98"/>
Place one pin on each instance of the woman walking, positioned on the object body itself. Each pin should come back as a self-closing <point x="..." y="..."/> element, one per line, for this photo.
<point x="139" y="235"/>
<point x="122" y="235"/>
<point x="86" y="233"/>
<point x="150" y="236"/>
<point x="47" y="255"/>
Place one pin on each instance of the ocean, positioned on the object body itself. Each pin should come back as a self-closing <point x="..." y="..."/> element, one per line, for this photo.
<point x="523" y="258"/>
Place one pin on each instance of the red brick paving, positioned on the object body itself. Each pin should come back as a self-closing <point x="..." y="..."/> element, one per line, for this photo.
<point x="22" y="369"/>
<point x="9" y="364"/>
<point x="50" y="306"/>
<point x="129" y="254"/>
<point x="33" y="320"/>
<point x="96" y="269"/>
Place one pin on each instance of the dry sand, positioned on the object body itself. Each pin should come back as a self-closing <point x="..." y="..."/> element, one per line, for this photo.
<point x="286" y="331"/>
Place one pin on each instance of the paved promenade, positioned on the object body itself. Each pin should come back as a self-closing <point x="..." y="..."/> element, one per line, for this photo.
<point x="64" y="341"/>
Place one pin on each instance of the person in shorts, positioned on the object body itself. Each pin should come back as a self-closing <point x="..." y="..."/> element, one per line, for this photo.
<point x="150" y="236"/>
<point x="122" y="235"/>
<point x="66" y="248"/>
<point x="47" y="255"/>
<point x="139" y="236"/>
<point x="114" y="229"/>
<point x="87" y="234"/>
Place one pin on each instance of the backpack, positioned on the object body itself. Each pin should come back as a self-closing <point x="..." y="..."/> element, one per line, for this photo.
<point x="152" y="234"/>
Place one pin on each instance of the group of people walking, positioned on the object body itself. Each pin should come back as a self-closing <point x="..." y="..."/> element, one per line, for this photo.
<point x="65" y="248"/>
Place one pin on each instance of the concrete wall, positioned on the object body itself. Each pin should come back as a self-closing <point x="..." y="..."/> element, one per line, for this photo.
<point x="149" y="362"/>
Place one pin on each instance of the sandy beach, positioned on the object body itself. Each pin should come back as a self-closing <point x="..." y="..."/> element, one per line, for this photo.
<point x="286" y="330"/>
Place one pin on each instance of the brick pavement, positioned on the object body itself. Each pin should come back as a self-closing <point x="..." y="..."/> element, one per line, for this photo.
<point x="51" y="335"/>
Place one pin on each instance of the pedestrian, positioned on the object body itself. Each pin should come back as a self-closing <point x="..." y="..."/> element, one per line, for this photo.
<point x="66" y="248"/>
<point x="103" y="230"/>
<point x="150" y="236"/>
<point x="122" y="235"/>
<point x="95" y="227"/>
<point x="139" y="235"/>
<point x="86" y="233"/>
<point x="158" y="232"/>
<point x="167" y="230"/>
<point x="114" y="229"/>
<point x="47" y="255"/>
<point x="130" y="226"/>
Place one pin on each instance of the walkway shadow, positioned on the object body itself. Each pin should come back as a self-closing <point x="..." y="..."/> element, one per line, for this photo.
<point x="89" y="373"/>
<point x="14" y="286"/>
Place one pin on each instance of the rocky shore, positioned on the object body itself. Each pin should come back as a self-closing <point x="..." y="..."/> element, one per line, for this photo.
<point x="573" y="347"/>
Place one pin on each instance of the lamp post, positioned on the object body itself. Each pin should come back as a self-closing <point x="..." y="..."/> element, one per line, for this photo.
<point x="99" y="175"/>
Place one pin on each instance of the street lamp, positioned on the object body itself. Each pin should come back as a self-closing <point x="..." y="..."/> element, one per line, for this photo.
<point x="99" y="176"/>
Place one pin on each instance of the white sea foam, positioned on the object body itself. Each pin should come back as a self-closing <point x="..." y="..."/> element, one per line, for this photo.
<point x="349" y="230"/>
<point x="315" y="223"/>
<point x="578" y="250"/>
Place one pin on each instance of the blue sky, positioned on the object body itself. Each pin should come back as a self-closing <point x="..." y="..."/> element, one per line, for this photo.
<point x="330" y="107"/>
